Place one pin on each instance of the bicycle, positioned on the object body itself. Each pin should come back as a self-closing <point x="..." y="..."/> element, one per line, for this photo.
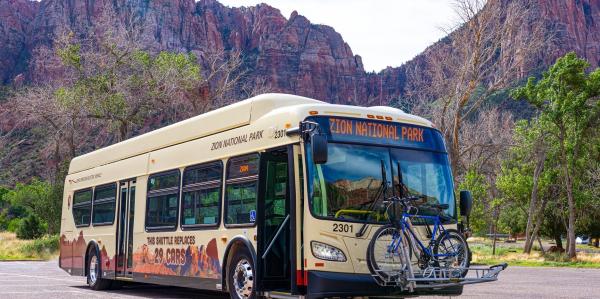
<point x="394" y="246"/>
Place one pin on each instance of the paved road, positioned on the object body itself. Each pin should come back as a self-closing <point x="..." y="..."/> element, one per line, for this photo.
<point x="45" y="280"/>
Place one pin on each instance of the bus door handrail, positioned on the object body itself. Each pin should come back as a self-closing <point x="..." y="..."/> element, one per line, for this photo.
<point x="287" y="218"/>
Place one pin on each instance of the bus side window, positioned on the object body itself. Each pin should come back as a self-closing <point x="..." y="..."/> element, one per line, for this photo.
<point x="201" y="202"/>
<point x="82" y="207"/>
<point x="104" y="205"/>
<point x="162" y="203"/>
<point x="241" y="190"/>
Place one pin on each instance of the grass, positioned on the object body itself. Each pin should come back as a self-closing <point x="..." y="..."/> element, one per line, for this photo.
<point x="513" y="255"/>
<point x="12" y="249"/>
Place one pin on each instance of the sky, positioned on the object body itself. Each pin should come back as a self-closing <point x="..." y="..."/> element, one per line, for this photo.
<point x="383" y="32"/>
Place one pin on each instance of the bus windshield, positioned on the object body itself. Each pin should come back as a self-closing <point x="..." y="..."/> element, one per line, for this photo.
<point x="350" y="185"/>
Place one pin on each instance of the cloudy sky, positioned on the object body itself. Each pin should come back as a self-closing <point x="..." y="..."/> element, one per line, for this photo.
<point x="384" y="32"/>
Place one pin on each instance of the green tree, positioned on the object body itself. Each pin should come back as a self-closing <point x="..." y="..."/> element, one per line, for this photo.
<point x="3" y="202"/>
<point x="120" y="84"/>
<point x="567" y="97"/>
<point x="40" y="198"/>
<point x="479" y="221"/>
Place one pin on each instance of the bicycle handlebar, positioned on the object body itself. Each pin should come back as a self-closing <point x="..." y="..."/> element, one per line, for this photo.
<point x="402" y="199"/>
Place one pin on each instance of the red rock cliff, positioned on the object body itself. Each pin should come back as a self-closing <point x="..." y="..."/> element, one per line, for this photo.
<point x="291" y="54"/>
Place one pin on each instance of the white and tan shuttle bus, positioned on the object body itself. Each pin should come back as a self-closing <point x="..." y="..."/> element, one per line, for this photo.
<point x="271" y="196"/>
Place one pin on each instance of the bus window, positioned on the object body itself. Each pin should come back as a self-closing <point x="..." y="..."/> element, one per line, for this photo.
<point x="162" y="203"/>
<point x="242" y="184"/>
<point x="104" y="205"/>
<point x="82" y="207"/>
<point x="202" y="195"/>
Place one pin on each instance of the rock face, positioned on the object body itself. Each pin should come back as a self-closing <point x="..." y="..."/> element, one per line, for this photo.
<point x="569" y="25"/>
<point x="577" y="25"/>
<point x="15" y="19"/>
<point x="291" y="55"/>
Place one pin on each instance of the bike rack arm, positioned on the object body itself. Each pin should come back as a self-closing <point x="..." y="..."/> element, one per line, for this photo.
<point x="276" y="236"/>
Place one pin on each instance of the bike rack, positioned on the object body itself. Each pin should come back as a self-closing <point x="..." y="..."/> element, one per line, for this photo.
<point x="409" y="279"/>
<point x="436" y="277"/>
<point x="430" y="276"/>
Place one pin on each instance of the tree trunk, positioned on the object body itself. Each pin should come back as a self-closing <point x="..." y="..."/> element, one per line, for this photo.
<point x="571" y="253"/>
<point x="541" y="246"/>
<point x="123" y="130"/>
<point x="495" y="232"/>
<point x="538" y="224"/>
<point x="539" y="167"/>
<point x="56" y="159"/>
<point x="72" y="147"/>
<point x="571" y="229"/>
<point x="558" y="241"/>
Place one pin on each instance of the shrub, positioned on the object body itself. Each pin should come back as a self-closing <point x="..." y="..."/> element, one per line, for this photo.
<point x="30" y="228"/>
<point x="46" y="245"/>
<point x="3" y="221"/>
<point x="13" y="225"/>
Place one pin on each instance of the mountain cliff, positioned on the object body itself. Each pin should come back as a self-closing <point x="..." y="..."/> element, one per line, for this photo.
<point x="290" y="54"/>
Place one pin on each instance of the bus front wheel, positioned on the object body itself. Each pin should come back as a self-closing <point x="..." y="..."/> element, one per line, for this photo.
<point x="241" y="276"/>
<point x="94" y="273"/>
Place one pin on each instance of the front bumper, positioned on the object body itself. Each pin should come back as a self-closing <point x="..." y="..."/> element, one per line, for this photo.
<point x="323" y="284"/>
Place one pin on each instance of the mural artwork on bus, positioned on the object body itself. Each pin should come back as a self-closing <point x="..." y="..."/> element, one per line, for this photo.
<point x="194" y="261"/>
<point x="72" y="253"/>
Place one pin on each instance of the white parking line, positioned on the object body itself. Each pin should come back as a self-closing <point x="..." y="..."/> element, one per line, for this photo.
<point x="42" y="292"/>
<point x="40" y="277"/>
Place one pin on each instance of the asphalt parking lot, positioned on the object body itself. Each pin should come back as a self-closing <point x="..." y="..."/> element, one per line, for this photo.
<point x="46" y="280"/>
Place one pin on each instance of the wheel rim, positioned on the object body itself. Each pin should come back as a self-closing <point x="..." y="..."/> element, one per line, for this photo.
<point x="93" y="270"/>
<point x="388" y="261"/>
<point x="457" y="254"/>
<point x="243" y="279"/>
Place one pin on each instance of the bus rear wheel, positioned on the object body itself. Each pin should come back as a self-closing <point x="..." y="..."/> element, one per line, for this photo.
<point x="94" y="273"/>
<point x="241" y="279"/>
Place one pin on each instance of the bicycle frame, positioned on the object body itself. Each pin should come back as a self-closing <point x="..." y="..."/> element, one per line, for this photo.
<point x="406" y="225"/>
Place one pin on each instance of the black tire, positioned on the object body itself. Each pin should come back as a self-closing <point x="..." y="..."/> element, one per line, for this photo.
<point x="241" y="275"/>
<point x="452" y="241"/>
<point x="387" y="267"/>
<point x="94" y="271"/>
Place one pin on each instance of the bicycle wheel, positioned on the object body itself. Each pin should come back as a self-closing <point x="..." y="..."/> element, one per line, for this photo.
<point x="384" y="257"/>
<point x="451" y="252"/>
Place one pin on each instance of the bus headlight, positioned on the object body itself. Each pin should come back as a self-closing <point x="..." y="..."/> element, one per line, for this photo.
<point x="327" y="252"/>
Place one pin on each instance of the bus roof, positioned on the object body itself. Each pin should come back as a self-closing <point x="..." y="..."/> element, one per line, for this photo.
<point x="226" y="118"/>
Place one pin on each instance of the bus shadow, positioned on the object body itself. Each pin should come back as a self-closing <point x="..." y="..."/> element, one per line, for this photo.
<point x="157" y="291"/>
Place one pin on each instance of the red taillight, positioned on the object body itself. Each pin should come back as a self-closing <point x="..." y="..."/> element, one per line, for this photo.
<point x="301" y="278"/>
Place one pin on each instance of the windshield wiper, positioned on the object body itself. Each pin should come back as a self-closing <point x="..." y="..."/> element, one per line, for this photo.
<point x="381" y="191"/>
<point x="402" y="189"/>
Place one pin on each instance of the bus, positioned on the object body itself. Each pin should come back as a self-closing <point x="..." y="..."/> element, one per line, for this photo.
<point x="271" y="196"/>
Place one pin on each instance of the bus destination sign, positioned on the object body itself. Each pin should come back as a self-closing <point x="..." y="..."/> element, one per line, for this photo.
<point x="363" y="128"/>
<point x="380" y="132"/>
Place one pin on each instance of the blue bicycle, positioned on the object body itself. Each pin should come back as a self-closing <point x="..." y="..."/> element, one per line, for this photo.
<point x="396" y="252"/>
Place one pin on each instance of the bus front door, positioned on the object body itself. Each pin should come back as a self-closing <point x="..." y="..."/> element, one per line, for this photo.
<point x="125" y="229"/>
<point x="274" y="222"/>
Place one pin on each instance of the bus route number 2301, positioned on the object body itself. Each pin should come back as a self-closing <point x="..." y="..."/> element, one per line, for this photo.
<point x="343" y="228"/>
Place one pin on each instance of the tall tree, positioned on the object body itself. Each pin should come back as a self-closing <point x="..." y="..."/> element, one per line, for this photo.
<point x="568" y="99"/>
<point x="477" y="64"/>
<point x="121" y="84"/>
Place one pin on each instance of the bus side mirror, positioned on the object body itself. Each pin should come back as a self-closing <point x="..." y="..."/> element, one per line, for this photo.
<point x="466" y="203"/>
<point x="319" y="148"/>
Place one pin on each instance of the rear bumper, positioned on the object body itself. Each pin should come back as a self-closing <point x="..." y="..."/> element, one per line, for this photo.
<point x="333" y="284"/>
